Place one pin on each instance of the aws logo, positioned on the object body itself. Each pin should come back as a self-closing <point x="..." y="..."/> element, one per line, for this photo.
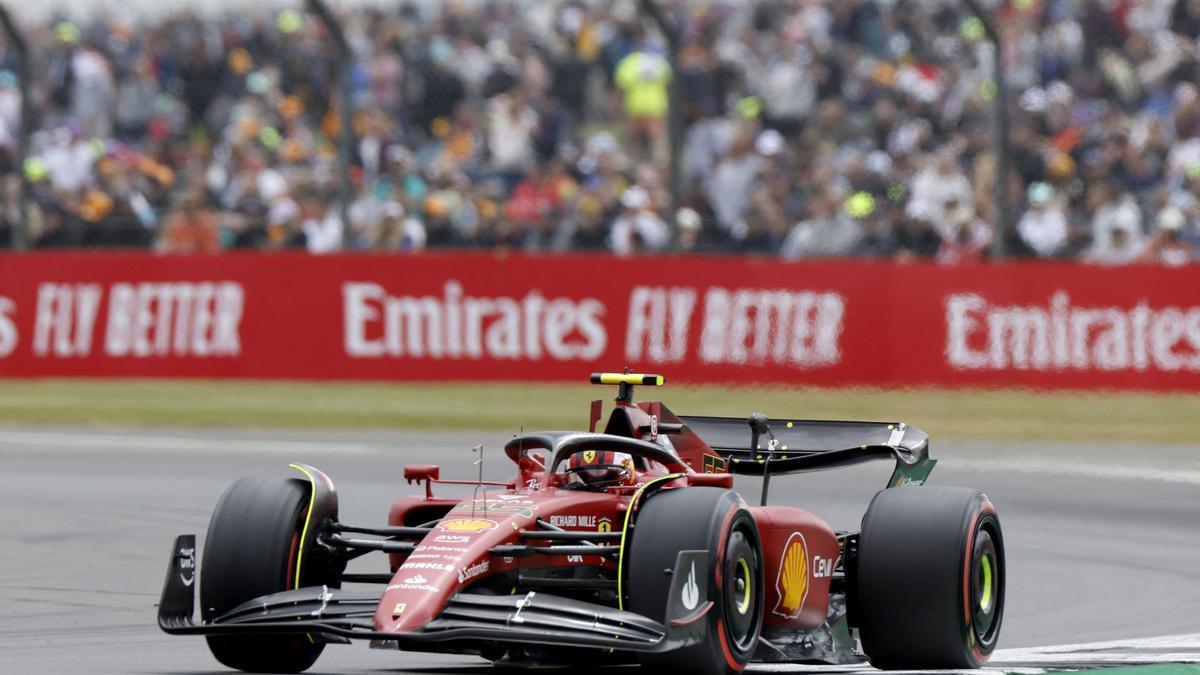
<point x="792" y="582"/>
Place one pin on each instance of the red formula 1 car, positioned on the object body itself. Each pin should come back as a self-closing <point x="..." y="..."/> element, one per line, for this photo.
<point x="617" y="547"/>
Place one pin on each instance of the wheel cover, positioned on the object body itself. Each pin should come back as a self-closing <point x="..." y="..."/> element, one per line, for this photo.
<point x="987" y="587"/>
<point x="741" y="566"/>
<point x="745" y="582"/>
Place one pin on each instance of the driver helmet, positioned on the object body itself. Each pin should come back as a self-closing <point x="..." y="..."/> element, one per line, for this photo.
<point x="612" y="468"/>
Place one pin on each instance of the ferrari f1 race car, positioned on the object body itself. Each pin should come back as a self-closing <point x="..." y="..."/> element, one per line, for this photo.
<point x="624" y="546"/>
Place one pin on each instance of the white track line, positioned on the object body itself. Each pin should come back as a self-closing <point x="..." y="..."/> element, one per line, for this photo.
<point x="1190" y="641"/>
<point x="20" y="440"/>
<point x="1072" y="468"/>
<point x="1033" y="660"/>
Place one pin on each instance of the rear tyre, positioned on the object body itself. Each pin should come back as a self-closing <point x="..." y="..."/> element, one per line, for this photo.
<point x="697" y="518"/>
<point x="930" y="577"/>
<point x="252" y="550"/>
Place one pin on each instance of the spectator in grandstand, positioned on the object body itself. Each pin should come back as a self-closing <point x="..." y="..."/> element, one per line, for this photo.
<point x="643" y="76"/>
<point x="320" y="222"/>
<point x="732" y="182"/>
<point x="1168" y="246"/>
<point x="397" y="232"/>
<point x="968" y="237"/>
<point x="522" y="125"/>
<point x="938" y="189"/>
<point x="829" y="231"/>
<point x="191" y="228"/>
<point x="638" y="228"/>
<point x="1117" y="236"/>
<point x="588" y="231"/>
<point x="1044" y="227"/>
<point x="687" y="231"/>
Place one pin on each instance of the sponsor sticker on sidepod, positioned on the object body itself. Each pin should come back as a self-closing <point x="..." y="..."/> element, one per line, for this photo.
<point x="792" y="582"/>
<point x="465" y="525"/>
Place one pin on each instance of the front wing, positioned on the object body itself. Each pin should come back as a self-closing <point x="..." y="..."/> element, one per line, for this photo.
<point x="338" y="615"/>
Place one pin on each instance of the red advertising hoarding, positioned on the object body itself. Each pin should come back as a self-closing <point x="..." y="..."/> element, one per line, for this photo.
<point x="482" y="317"/>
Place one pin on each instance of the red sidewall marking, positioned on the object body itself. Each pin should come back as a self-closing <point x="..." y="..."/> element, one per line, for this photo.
<point x="730" y="659"/>
<point x="967" y="571"/>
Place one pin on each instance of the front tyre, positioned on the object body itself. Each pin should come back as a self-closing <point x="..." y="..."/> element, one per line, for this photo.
<point x="700" y="518"/>
<point x="930" y="577"/>
<point x="252" y="549"/>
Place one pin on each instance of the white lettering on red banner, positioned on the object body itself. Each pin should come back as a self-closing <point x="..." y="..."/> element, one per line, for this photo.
<point x="1061" y="335"/>
<point x="801" y="329"/>
<point x="659" y="322"/>
<point x="755" y="326"/>
<point x="174" y="319"/>
<point x="470" y="317"/>
<point x="142" y="320"/>
<point x="458" y="326"/>
<point x="8" y="326"/>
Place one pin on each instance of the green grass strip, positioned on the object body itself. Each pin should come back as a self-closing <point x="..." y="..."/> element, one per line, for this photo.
<point x="1003" y="415"/>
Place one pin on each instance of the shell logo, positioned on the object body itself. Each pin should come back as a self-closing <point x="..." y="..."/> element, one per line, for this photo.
<point x="792" y="582"/>
<point x="467" y="525"/>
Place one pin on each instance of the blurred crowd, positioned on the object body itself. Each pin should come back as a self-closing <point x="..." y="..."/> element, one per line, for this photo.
<point x="811" y="128"/>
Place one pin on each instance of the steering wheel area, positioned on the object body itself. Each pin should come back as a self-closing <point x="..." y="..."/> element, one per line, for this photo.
<point x="621" y="474"/>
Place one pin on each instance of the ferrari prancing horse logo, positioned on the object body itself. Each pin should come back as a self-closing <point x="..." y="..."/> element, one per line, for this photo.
<point x="589" y="456"/>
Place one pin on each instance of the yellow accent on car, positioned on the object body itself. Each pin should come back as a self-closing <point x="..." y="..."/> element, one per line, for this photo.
<point x="985" y="602"/>
<point x="744" y="570"/>
<point x="625" y="533"/>
<point x="466" y="525"/>
<point x="628" y="378"/>
<point x="312" y="496"/>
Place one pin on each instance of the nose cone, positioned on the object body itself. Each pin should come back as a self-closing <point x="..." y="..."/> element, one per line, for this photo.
<point x="456" y="550"/>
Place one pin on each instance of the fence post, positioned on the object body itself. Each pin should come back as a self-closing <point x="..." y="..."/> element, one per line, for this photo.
<point x="1000" y="139"/>
<point x="671" y="30"/>
<point x="345" y="145"/>
<point x="24" y="79"/>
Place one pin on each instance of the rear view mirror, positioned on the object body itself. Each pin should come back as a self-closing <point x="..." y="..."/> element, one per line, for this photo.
<point x="419" y="472"/>
<point x="758" y="423"/>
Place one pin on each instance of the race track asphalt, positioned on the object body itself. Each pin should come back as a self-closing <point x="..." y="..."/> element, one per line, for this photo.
<point x="1103" y="541"/>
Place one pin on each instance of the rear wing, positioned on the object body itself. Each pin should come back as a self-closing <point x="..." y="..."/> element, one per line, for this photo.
<point x="793" y="446"/>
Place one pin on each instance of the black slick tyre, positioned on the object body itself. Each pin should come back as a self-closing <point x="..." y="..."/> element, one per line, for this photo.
<point x="251" y="550"/>
<point x="699" y="518"/>
<point x="929" y="579"/>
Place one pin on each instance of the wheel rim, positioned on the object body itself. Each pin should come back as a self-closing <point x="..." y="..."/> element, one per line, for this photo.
<point x="741" y="590"/>
<point x="987" y="587"/>
<point x="744" y="582"/>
